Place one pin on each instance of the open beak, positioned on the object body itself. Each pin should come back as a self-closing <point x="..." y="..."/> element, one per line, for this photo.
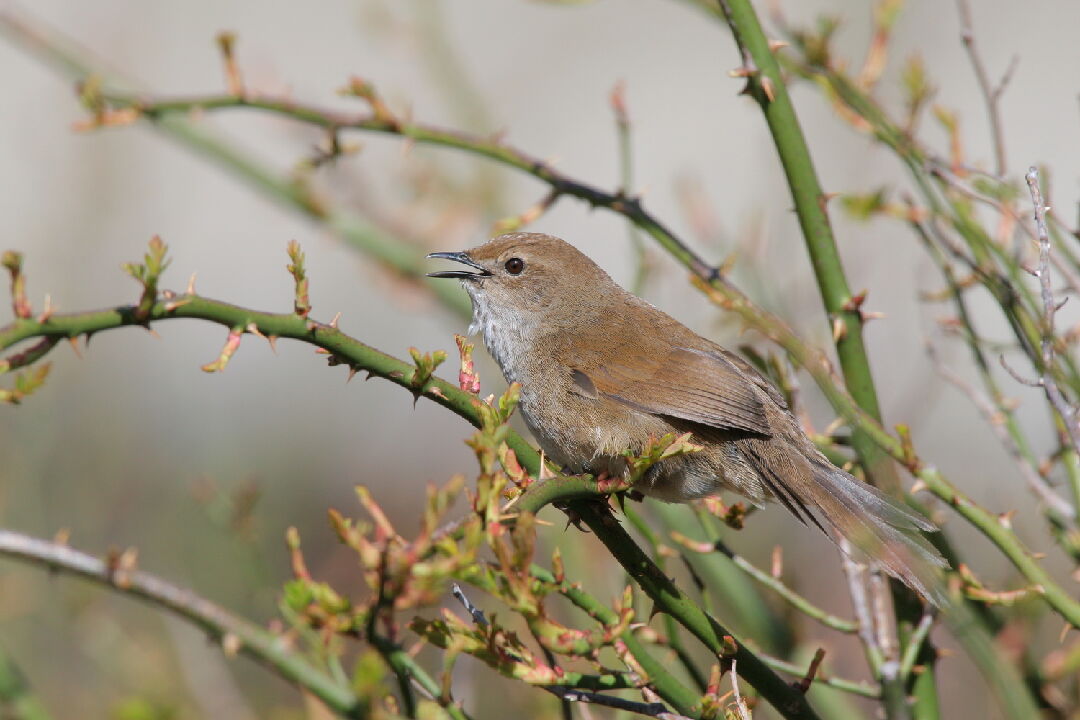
<point x="464" y="260"/>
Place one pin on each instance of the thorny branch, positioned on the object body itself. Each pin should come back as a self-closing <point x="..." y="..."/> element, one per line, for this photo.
<point x="1065" y="412"/>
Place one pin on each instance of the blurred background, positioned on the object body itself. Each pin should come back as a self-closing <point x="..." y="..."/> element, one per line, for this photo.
<point x="132" y="445"/>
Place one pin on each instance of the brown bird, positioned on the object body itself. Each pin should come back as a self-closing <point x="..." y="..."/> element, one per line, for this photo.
<point x="603" y="372"/>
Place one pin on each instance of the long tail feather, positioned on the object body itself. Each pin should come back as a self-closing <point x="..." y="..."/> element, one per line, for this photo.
<point x="882" y="528"/>
<point x="844" y="507"/>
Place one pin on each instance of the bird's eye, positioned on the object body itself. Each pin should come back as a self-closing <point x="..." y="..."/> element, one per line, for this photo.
<point x="514" y="265"/>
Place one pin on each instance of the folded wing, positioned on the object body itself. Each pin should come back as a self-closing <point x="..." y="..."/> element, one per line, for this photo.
<point x="697" y="385"/>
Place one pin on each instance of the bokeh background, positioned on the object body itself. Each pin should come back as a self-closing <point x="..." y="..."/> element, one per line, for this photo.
<point x="132" y="445"/>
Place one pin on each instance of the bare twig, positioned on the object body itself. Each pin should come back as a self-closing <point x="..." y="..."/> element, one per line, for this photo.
<point x="991" y="93"/>
<point x="871" y="612"/>
<point x="883" y="623"/>
<point x="995" y="418"/>
<point x="860" y="603"/>
<point x="740" y="704"/>
<point x="626" y="180"/>
<point x="657" y="710"/>
<point x="1050" y="308"/>
<point x="476" y="613"/>
<point x="796" y="600"/>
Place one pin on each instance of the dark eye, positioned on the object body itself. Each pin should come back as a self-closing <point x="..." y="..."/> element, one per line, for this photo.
<point x="514" y="266"/>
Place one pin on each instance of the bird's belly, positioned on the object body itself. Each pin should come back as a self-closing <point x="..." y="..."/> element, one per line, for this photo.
<point x="581" y="434"/>
<point x="585" y="435"/>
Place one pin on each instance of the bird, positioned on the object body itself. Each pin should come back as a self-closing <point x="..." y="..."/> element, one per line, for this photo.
<point x="603" y="373"/>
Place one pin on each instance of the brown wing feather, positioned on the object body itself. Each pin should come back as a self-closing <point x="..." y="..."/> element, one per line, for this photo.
<point x="695" y="385"/>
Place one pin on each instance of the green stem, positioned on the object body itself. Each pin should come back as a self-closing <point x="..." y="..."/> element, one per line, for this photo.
<point x="850" y="686"/>
<point x="405" y="666"/>
<point x="686" y="701"/>
<point x="670" y="599"/>
<point x="674" y="638"/>
<point x="729" y="588"/>
<point x="777" y="585"/>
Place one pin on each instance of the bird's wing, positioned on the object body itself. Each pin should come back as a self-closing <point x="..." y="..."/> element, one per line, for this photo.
<point x="697" y="385"/>
<point x="752" y="373"/>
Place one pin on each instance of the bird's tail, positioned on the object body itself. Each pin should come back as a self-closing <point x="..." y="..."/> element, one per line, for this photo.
<point x="874" y="523"/>
<point x="881" y="527"/>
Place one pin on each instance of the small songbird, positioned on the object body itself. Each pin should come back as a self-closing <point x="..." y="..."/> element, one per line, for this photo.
<point x="602" y="372"/>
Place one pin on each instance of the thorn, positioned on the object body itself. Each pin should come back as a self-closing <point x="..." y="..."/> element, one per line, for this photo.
<point x="545" y="472"/>
<point x="352" y="373"/>
<point x="254" y="330"/>
<point x="918" y="487"/>
<point x="49" y="309"/>
<point x="777" y="568"/>
<point x="803" y="685"/>
<point x="827" y="197"/>
<point x="741" y="72"/>
<point x="334" y="322"/>
<point x="322" y="351"/>
<point x="768" y="89"/>
<point x="153" y="332"/>
<point x="621" y="499"/>
<point x="871" y="315"/>
<point x="190" y="285"/>
<point x="272" y="339"/>
<point x="227" y="45"/>
<point x="775" y="45"/>
<point x="231" y="644"/>
<point x="1005" y="518"/>
<point x="839" y="329"/>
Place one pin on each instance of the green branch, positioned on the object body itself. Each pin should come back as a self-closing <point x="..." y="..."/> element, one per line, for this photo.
<point x="787" y="700"/>
<point x="221" y="625"/>
<point x="667" y="686"/>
